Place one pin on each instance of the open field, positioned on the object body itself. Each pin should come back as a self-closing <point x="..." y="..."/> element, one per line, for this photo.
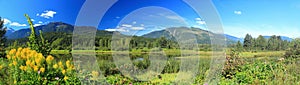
<point x="257" y="67"/>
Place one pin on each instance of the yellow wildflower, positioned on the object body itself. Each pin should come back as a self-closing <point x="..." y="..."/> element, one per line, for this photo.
<point x="55" y="66"/>
<point x="23" y="68"/>
<point x="35" y="68"/>
<point x="28" y="62"/>
<point x="60" y="64"/>
<point x="19" y="49"/>
<point x="49" y="59"/>
<point x="68" y="64"/>
<point x="95" y="73"/>
<point x="8" y="57"/>
<point x="10" y="64"/>
<point x="1" y="67"/>
<point x="14" y="57"/>
<point x="63" y="71"/>
<point x="13" y="51"/>
<point x="66" y="78"/>
<point x="38" y="61"/>
<point x="15" y="63"/>
<point x="15" y="82"/>
<point x="23" y="57"/>
<point x="40" y="55"/>
<point x="18" y="53"/>
<point x="70" y="68"/>
<point x="31" y="64"/>
<point x="42" y="70"/>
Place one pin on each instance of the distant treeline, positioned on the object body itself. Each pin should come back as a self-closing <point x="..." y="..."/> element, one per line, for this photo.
<point x="63" y="41"/>
<point x="274" y="43"/>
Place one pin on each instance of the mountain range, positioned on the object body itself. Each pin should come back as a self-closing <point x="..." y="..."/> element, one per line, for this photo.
<point x="50" y="27"/>
<point x="202" y="36"/>
<point x="282" y="38"/>
<point x="9" y="31"/>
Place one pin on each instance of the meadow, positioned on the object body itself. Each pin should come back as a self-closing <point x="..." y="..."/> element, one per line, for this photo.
<point x="25" y="66"/>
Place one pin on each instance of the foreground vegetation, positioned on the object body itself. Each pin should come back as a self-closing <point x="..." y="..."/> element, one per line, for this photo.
<point x="25" y="66"/>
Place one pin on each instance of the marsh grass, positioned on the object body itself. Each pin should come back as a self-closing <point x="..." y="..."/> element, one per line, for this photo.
<point x="258" y="68"/>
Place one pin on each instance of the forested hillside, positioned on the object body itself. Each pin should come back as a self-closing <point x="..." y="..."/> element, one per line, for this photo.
<point x="60" y="36"/>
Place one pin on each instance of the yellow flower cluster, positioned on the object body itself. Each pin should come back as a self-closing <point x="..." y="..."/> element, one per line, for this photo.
<point x="64" y="69"/>
<point x="95" y="75"/>
<point x="33" y="60"/>
<point x="66" y="78"/>
<point x="49" y="59"/>
<point x="28" y="60"/>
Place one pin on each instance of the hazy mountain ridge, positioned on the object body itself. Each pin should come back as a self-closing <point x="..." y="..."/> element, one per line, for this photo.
<point x="203" y="36"/>
<point x="54" y="27"/>
<point x="51" y="27"/>
<point x="9" y="31"/>
<point x="282" y="38"/>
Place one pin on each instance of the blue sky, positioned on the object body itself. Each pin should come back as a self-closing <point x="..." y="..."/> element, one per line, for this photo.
<point x="265" y="17"/>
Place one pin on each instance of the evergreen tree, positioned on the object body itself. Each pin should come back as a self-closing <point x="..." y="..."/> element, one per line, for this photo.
<point x="272" y="43"/>
<point x="162" y="41"/>
<point x="248" y="42"/>
<point x="293" y="50"/>
<point x="2" y="38"/>
<point x="278" y="43"/>
<point x="254" y="45"/>
<point x="239" y="46"/>
<point x="285" y="45"/>
<point x="261" y="42"/>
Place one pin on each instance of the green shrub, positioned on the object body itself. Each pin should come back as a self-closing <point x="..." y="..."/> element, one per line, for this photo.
<point x="232" y="64"/>
<point x="42" y="45"/>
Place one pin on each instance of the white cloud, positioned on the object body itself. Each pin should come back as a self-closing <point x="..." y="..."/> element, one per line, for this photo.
<point x="6" y="21"/>
<point x="37" y="25"/>
<point x="197" y="26"/>
<point x="137" y="28"/>
<point x="174" y="18"/>
<point x="134" y="22"/>
<point x="40" y="22"/>
<point x="32" y="20"/>
<point x="238" y="12"/>
<point x="118" y="29"/>
<point x="110" y="29"/>
<point x="126" y="25"/>
<point x="126" y="28"/>
<point x="200" y="21"/>
<point x="17" y="24"/>
<point x="47" y="14"/>
<point x="11" y="23"/>
<point x="130" y="27"/>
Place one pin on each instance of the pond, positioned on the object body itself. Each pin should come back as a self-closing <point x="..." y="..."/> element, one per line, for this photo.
<point x="108" y="56"/>
<point x="171" y="61"/>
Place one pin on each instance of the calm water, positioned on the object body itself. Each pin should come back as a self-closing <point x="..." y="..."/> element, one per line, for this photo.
<point x="108" y="56"/>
